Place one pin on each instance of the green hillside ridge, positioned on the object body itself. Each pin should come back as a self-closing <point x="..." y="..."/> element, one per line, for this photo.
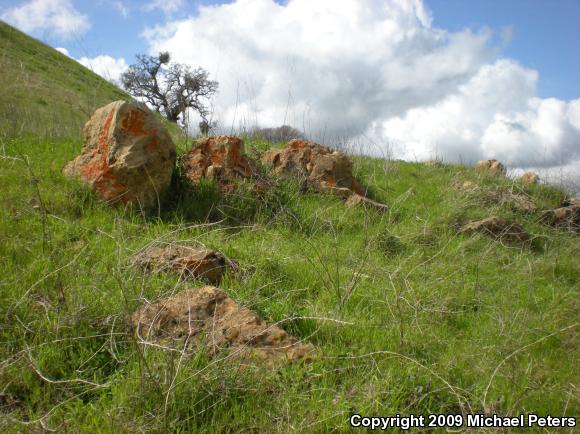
<point x="41" y="88"/>
<point x="407" y="315"/>
<point x="45" y="93"/>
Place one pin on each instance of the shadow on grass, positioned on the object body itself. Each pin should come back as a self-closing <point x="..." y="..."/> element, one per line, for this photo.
<point x="247" y="202"/>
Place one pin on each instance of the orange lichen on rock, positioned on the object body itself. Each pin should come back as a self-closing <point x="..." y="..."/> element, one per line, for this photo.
<point x="128" y="156"/>
<point x="322" y="167"/>
<point x="188" y="261"/>
<point x="220" y="158"/>
<point x="491" y="166"/>
<point x="530" y="178"/>
<point x="97" y="171"/>
<point x="133" y="123"/>
<point x="207" y="319"/>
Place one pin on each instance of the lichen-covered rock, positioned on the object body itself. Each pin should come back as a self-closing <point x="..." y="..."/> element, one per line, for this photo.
<point x="207" y="319"/>
<point x="530" y="178"/>
<point x="564" y="217"/>
<point x="498" y="228"/>
<point x="128" y="155"/>
<point x="188" y="261"/>
<point x="322" y="167"/>
<point x="220" y="158"/>
<point x="491" y="166"/>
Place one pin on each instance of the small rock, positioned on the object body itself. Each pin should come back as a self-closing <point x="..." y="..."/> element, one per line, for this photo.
<point x="498" y="228"/>
<point x="530" y="178"/>
<point x="128" y="155"/>
<point x="190" y="262"/>
<point x="491" y="166"/>
<point x="207" y="319"/>
<point x="358" y="200"/>
<point x="566" y="217"/>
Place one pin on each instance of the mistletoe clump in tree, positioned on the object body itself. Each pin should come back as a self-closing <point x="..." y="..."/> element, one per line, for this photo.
<point x="171" y="88"/>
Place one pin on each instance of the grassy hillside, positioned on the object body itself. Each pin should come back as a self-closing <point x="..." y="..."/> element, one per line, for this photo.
<point x="407" y="315"/>
<point x="43" y="91"/>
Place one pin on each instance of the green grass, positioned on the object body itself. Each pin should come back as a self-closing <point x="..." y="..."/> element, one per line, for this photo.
<point x="407" y="316"/>
<point x="45" y="93"/>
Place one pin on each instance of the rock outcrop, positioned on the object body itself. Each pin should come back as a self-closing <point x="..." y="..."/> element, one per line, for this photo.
<point x="207" y="319"/>
<point x="322" y="167"/>
<point x="498" y="228"/>
<point x="188" y="261"/>
<point x="491" y="166"/>
<point x="220" y="158"/>
<point x="530" y="178"/>
<point x="128" y="155"/>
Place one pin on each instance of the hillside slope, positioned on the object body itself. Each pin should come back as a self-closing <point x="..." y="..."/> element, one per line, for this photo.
<point x="42" y="89"/>
<point x="407" y="314"/>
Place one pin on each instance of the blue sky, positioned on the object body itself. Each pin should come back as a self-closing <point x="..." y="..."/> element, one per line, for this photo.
<point x="454" y="79"/>
<point x="544" y="34"/>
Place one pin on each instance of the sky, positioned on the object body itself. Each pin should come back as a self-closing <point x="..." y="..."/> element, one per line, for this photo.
<point x="412" y="79"/>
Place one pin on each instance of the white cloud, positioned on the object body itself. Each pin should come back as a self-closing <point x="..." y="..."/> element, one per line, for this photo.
<point x="63" y="51"/>
<point x="375" y="69"/>
<point x="168" y="7"/>
<point x="58" y="17"/>
<point x="106" y="66"/>
<point x="565" y="176"/>
<point x="121" y="7"/>
<point x="343" y="62"/>
<point x="494" y="115"/>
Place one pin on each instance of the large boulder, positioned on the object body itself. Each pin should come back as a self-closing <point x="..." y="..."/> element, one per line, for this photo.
<point x="188" y="261"/>
<point x="220" y="158"/>
<point x="128" y="155"/>
<point x="491" y="166"/>
<point x="322" y="167"/>
<point x="207" y="319"/>
<point x="498" y="228"/>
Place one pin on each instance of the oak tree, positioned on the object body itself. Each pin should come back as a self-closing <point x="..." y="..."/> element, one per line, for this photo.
<point x="171" y="88"/>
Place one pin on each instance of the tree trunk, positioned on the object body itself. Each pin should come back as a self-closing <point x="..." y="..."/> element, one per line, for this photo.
<point x="172" y="117"/>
